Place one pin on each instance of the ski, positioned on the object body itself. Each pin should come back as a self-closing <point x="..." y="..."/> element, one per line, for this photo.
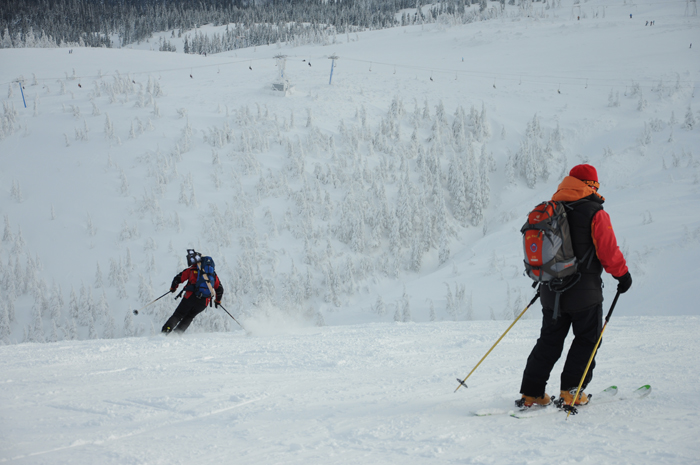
<point x="489" y="411"/>
<point x="638" y="393"/>
<point x="535" y="411"/>
<point x="609" y="394"/>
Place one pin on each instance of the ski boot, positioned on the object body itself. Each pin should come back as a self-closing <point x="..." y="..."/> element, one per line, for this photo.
<point x="529" y="401"/>
<point x="566" y="397"/>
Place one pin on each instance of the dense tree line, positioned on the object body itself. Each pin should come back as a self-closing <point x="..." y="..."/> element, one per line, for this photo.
<point x="51" y="23"/>
<point x="98" y="23"/>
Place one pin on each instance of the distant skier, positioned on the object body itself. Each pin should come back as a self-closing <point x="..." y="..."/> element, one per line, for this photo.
<point x="202" y="285"/>
<point x="581" y="305"/>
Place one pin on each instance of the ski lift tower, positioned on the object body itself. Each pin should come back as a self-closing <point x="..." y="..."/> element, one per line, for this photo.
<point x="691" y="8"/>
<point x="281" y="83"/>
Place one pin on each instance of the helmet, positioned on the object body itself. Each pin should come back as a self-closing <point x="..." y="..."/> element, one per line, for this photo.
<point x="193" y="257"/>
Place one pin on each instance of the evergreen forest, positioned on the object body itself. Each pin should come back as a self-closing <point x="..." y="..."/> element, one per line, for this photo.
<point x="114" y="23"/>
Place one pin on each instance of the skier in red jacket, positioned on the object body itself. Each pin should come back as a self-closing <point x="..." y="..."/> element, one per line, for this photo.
<point x="191" y="304"/>
<point x="581" y="306"/>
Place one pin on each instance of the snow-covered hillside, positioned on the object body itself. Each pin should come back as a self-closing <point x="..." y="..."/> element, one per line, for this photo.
<point x="395" y="192"/>
<point x="122" y="159"/>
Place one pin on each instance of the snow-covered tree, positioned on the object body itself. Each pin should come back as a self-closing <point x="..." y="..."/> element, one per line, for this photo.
<point x="98" y="277"/>
<point x="450" y="303"/>
<point x="689" y="119"/>
<point x="4" y="324"/>
<point x="443" y="249"/>
<point x="92" y="330"/>
<point x="71" y="329"/>
<point x="379" y="306"/>
<point x="36" y="327"/>
<point x="74" y="305"/>
<point x="7" y="235"/>
<point x="129" y="329"/>
<point x="109" y="128"/>
<point x="56" y="303"/>
<point x="405" y="308"/>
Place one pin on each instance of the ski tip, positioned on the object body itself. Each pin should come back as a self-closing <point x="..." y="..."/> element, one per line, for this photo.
<point x="490" y="412"/>
<point x="644" y="390"/>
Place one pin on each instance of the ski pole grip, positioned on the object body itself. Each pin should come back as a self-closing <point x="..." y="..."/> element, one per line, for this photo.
<point x="612" y="307"/>
<point x="534" y="299"/>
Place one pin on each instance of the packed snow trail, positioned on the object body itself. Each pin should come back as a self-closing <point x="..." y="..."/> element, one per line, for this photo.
<point x="373" y="393"/>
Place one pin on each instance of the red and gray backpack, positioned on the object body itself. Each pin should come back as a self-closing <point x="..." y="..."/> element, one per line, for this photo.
<point x="549" y="253"/>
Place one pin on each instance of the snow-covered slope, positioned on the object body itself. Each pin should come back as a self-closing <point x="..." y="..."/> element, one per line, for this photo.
<point x="370" y="393"/>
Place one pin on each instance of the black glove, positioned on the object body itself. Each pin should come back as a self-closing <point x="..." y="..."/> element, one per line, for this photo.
<point x="624" y="283"/>
<point x="217" y="303"/>
<point x="173" y="289"/>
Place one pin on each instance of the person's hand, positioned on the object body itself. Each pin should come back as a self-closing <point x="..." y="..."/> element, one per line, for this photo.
<point x="217" y="303"/>
<point x="624" y="282"/>
<point x="173" y="289"/>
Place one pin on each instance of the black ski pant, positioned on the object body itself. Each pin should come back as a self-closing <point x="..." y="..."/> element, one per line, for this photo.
<point x="587" y="325"/>
<point x="184" y="314"/>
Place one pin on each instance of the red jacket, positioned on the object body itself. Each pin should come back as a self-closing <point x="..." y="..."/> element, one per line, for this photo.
<point x="189" y="276"/>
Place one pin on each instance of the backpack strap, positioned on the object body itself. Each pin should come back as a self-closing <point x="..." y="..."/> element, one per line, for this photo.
<point x="590" y="253"/>
<point x="191" y="285"/>
<point x="588" y="257"/>
<point x="559" y="286"/>
<point x="555" y="314"/>
<point x="207" y="281"/>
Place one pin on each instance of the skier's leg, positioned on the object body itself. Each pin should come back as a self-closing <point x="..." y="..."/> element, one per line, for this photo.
<point x="177" y="315"/>
<point x="545" y="354"/>
<point x="198" y="306"/>
<point x="587" y="326"/>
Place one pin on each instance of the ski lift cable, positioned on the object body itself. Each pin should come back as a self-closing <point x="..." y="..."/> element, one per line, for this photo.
<point x="136" y="73"/>
<point x="529" y="78"/>
<point x="541" y="79"/>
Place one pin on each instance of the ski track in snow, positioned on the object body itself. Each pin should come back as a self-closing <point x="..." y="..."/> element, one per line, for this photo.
<point x="374" y="393"/>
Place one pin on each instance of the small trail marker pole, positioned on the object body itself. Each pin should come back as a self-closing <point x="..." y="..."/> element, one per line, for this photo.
<point x="332" y="58"/>
<point x="22" y="90"/>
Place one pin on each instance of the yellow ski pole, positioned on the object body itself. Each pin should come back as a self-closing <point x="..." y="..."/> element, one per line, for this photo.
<point x="570" y="408"/>
<point x="462" y="381"/>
